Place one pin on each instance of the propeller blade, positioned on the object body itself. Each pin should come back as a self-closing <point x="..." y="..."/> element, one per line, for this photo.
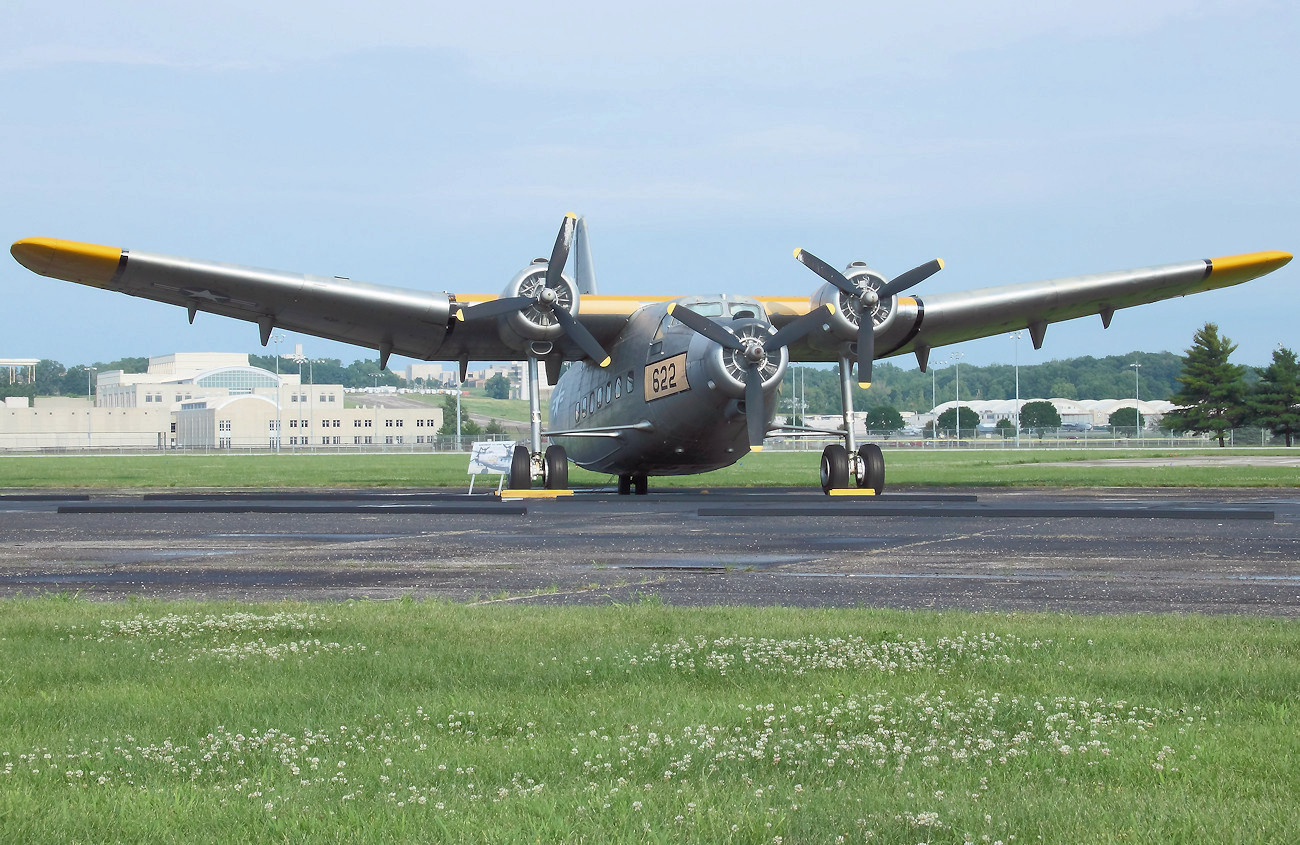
<point x="866" y="349"/>
<point x="560" y="252"/>
<point x="755" y="412"/>
<point x="581" y="336"/>
<point x="911" y="278"/>
<point x="705" y="326"/>
<point x="494" y="308"/>
<point x="826" y="271"/>
<point x="799" y="328"/>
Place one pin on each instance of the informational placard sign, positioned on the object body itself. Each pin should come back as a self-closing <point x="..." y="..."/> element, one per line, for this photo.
<point x="489" y="457"/>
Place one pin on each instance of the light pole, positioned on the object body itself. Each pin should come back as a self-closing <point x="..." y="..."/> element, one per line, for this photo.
<point x="934" y="394"/>
<point x="1016" y="337"/>
<point x="278" y="338"/>
<point x="1137" y="412"/>
<point x="90" y="371"/>
<point x="956" y="360"/>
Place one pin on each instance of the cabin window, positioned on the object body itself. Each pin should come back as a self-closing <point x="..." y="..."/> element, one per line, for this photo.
<point x="629" y="381"/>
<point x="618" y="388"/>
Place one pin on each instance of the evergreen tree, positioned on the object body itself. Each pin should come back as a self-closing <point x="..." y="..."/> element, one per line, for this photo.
<point x="1275" y="401"/>
<point x="1212" y="398"/>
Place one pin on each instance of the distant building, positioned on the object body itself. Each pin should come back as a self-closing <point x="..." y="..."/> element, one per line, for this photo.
<point x="211" y="401"/>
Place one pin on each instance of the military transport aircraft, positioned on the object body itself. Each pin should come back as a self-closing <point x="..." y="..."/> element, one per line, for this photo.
<point x="658" y="385"/>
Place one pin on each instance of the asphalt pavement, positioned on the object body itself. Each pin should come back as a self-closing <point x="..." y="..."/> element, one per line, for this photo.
<point x="1086" y="551"/>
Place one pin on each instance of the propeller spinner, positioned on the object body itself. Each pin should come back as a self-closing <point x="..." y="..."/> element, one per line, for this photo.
<point x="867" y="298"/>
<point x="753" y="352"/>
<point x="548" y="299"/>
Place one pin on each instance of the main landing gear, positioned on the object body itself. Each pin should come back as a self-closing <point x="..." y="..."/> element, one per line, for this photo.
<point x="552" y="466"/>
<point x="554" y="463"/>
<point x="865" y="464"/>
<point x="866" y="467"/>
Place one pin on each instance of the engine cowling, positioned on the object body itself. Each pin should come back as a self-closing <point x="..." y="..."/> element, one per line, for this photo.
<point x="724" y="369"/>
<point x="849" y="309"/>
<point x="537" y="322"/>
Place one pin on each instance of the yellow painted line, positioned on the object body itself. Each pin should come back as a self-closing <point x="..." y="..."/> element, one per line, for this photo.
<point x="851" y="491"/>
<point x="533" y="494"/>
<point x="73" y="261"/>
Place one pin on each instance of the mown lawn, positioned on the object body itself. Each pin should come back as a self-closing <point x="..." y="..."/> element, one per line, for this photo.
<point x="426" y="721"/>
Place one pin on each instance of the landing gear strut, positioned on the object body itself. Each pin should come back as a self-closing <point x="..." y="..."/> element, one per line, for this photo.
<point x="866" y="464"/>
<point x="528" y="462"/>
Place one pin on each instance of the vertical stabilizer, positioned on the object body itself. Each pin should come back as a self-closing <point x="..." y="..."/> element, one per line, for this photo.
<point x="584" y="271"/>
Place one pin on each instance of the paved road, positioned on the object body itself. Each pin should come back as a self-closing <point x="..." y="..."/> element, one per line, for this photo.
<point x="1064" y="550"/>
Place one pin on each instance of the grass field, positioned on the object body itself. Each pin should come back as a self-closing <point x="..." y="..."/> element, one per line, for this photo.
<point x="420" y="470"/>
<point x="411" y="721"/>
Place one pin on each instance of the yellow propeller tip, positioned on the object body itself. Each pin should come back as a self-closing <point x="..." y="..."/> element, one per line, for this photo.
<point x="830" y="308"/>
<point x="460" y="314"/>
<point x="864" y="384"/>
<point x="605" y="363"/>
<point x="571" y="214"/>
<point x="671" y="306"/>
<point x="940" y="260"/>
<point x="797" y="250"/>
<point x="755" y="448"/>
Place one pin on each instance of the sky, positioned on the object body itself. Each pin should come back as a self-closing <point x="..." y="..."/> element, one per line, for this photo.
<point x="437" y="146"/>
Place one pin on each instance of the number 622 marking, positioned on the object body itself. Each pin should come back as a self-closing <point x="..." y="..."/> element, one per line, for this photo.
<point x="666" y="377"/>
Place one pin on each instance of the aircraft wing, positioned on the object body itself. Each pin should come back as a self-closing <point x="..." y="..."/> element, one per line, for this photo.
<point x="947" y="318"/>
<point x="418" y="324"/>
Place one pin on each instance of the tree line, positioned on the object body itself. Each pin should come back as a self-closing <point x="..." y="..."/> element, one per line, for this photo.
<point x="1213" y="397"/>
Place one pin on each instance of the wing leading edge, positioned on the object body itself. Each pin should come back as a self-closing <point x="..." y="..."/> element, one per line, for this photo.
<point x="947" y="318"/>
<point x="421" y="324"/>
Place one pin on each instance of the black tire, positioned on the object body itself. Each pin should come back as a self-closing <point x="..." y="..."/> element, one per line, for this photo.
<point x="625" y="485"/>
<point x="835" y="468"/>
<point x="521" y="469"/>
<point x="641" y="483"/>
<point x="873" y="462"/>
<point x="556" y="462"/>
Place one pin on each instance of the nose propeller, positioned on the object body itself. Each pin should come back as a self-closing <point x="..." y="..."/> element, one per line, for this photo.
<point x="867" y="299"/>
<point x="754" y="352"/>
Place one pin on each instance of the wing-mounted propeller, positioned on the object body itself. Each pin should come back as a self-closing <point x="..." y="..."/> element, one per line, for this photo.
<point x="750" y="348"/>
<point x="541" y="303"/>
<point x="865" y="299"/>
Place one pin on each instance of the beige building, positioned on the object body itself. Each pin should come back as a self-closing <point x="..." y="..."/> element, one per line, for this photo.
<point x="211" y="401"/>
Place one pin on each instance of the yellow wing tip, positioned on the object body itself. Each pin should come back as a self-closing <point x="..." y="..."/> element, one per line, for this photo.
<point x="1234" y="269"/>
<point x="73" y="261"/>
